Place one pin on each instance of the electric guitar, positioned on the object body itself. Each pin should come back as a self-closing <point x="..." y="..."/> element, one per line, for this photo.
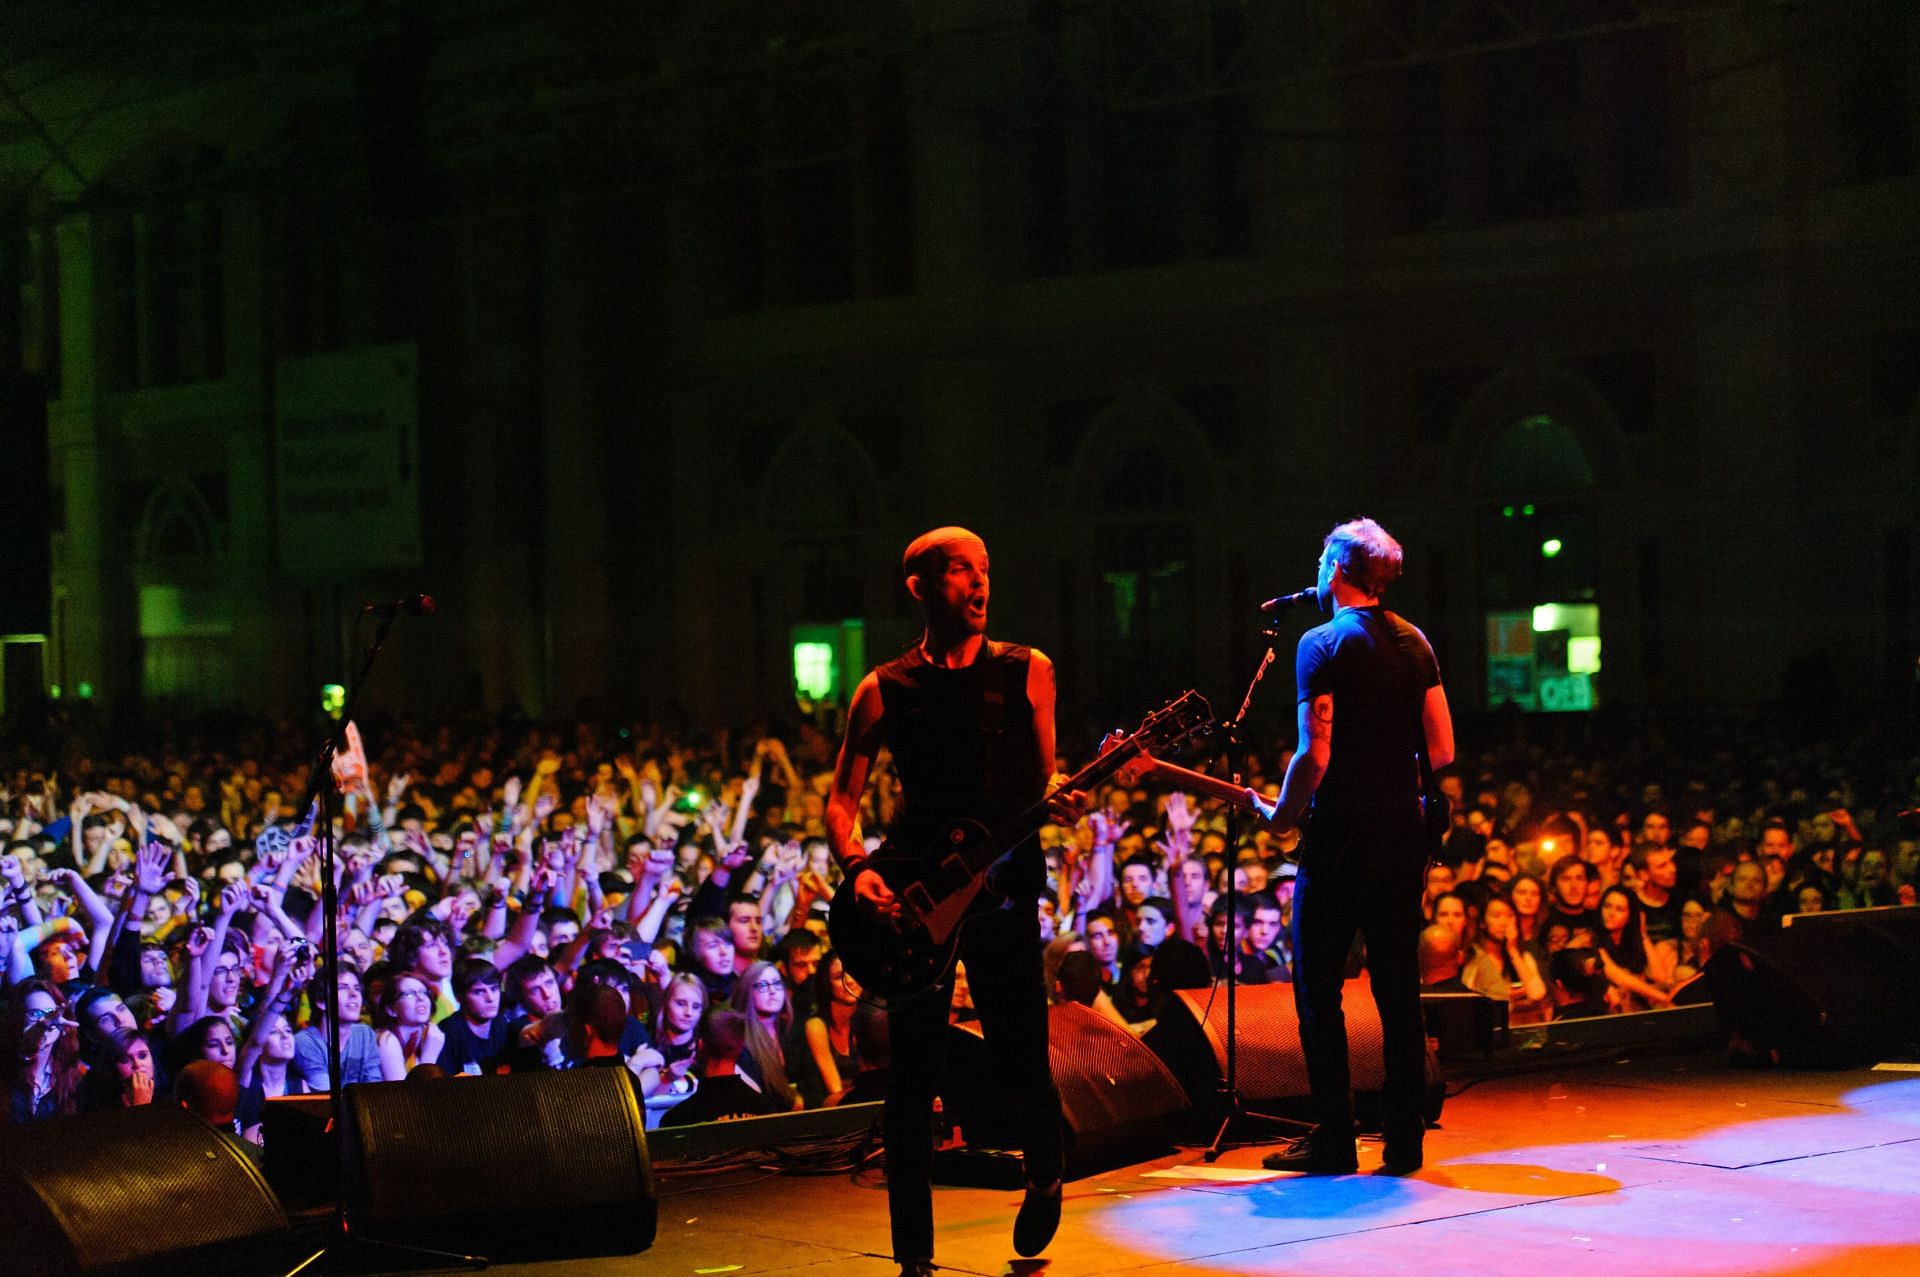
<point x="949" y="882"/>
<point x="1435" y="810"/>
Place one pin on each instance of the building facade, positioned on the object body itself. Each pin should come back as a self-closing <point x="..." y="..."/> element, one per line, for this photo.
<point x="645" y="342"/>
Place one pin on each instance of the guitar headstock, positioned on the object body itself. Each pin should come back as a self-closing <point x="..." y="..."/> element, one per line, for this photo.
<point x="1163" y="729"/>
<point x="1173" y="722"/>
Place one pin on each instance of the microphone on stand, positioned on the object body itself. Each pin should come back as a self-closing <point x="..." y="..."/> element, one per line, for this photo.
<point x="1273" y="607"/>
<point x="411" y="605"/>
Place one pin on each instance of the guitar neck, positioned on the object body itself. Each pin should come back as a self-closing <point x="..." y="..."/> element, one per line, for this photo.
<point x="1201" y="783"/>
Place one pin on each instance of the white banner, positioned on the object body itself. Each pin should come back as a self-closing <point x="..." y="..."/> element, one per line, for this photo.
<point x="347" y="461"/>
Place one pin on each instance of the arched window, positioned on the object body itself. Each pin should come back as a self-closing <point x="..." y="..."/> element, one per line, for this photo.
<point x="1143" y="474"/>
<point x="185" y="604"/>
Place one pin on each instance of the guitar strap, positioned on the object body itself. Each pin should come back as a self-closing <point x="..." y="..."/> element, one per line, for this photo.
<point x="993" y="714"/>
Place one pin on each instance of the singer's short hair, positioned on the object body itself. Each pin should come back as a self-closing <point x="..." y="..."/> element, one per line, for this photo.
<point x="1369" y="556"/>
<point x="927" y="556"/>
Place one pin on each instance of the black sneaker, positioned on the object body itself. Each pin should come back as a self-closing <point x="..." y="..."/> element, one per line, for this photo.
<point x="1038" y="1220"/>
<point x="1304" y="1155"/>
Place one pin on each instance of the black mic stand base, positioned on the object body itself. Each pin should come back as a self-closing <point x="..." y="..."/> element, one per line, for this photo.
<point x="352" y="1253"/>
<point x="347" y="1250"/>
<point x="1236" y="1118"/>
<point x="1241" y="1126"/>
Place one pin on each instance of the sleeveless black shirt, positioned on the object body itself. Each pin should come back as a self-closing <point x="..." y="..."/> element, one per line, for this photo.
<point x="958" y="755"/>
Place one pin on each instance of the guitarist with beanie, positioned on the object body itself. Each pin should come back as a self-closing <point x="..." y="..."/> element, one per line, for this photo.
<point x="969" y="723"/>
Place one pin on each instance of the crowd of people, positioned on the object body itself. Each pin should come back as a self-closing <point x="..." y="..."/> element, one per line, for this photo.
<point x="541" y="898"/>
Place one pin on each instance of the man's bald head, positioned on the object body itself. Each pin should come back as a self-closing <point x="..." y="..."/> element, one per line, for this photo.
<point x="946" y="570"/>
<point x="208" y="1090"/>
<point x="927" y="556"/>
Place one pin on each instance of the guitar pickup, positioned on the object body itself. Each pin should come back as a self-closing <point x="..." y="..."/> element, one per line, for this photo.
<point x="920" y="900"/>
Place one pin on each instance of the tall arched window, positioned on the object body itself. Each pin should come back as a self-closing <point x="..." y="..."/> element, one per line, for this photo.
<point x="1539" y="556"/>
<point x="1142" y="475"/>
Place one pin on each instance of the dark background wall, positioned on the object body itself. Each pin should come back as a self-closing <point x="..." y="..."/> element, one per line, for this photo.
<point x="702" y="317"/>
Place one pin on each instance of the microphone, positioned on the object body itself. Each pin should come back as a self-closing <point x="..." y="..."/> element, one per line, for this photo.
<point x="411" y="605"/>
<point x="1309" y="595"/>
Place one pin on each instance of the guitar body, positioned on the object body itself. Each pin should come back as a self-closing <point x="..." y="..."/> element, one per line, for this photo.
<point x="939" y="893"/>
<point x="950" y="881"/>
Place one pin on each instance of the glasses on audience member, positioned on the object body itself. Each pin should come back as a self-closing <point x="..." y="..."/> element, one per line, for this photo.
<point x="768" y="986"/>
<point x="37" y="1014"/>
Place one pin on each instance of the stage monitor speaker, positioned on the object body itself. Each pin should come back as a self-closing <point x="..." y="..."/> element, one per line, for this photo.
<point x="142" y="1190"/>
<point x="1191" y="1037"/>
<point x="1119" y="1100"/>
<point x="1833" y="990"/>
<point x="517" y="1165"/>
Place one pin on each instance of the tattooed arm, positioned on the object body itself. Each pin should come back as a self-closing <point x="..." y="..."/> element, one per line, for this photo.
<point x="1309" y="761"/>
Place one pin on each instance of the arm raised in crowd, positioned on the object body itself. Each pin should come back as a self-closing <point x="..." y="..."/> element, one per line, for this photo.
<point x="99" y="914"/>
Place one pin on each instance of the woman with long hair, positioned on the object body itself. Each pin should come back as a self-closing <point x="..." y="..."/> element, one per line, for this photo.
<point x="269" y="1051"/>
<point x="676" y="1036"/>
<point x="825" y="1070"/>
<point x="1695" y="944"/>
<point x="1529" y="898"/>
<point x="1633" y="967"/>
<point x="208" y="1038"/>
<point x="40" y="1053"/>
<point x="761" y="996"/>
<point x="125" y="1073"/>
<point x="1502" y="967"/>
<point x="407" y="1036"/>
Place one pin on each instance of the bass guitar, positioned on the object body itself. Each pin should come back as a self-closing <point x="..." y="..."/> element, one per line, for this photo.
<point x="947" y="883"/>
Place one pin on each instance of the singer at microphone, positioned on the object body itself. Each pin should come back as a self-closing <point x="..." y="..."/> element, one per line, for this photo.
<point x="1275" y="606"/>
<point x="411" y="605"/>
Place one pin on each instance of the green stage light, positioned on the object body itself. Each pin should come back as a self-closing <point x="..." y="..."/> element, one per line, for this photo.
<point x="84" y="691"/>
<point x="1551" y="548"/>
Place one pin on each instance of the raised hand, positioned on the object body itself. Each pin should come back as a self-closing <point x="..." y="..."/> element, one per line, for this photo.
<point x="1180" y="814"/>
<point x="1108" y="829"/>
<point x="543" y="806"/>
<point x="232" y="897"/>
<point x="397" y="787"/>
<point x="549" y="764"/>
<point x="197" y="941"/>
<point x="151" y="866"/>
<point x="510" y="793"/>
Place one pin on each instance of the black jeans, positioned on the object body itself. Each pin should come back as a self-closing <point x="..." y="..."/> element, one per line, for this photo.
<point x="1374" y="891"/>
<point x="1002" y="953"/>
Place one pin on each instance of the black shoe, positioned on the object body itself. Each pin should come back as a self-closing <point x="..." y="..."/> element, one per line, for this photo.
<point x="1038" y="1220"/>
<point x="1303" y="1154"/>
<point x="916" y="1268"/>
<point x="1402" y="1158"/>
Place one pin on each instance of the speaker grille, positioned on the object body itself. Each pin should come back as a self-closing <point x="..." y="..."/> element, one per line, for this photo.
<point x="128" y="1185"/>
<point x="577" y="1135"/>
<point x="1270" y="1064"/>
<point x="1105" y="1076"/>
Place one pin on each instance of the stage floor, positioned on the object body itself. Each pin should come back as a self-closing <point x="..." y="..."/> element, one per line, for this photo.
<point x="1670" y="1165"/>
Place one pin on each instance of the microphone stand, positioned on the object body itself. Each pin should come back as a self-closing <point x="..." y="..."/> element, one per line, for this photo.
<point x="320" y="794"/>
<point x="1234" y="1112"/>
